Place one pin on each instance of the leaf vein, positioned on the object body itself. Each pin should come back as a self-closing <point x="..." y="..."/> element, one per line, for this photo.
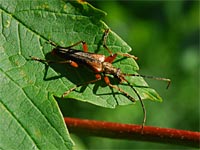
<point x="20" y="124"/>
<point x="34" y="106"/>
<point x="51" y="125"/>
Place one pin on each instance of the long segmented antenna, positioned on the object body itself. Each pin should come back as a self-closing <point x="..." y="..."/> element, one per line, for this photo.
<point x="143" y="107"/>
<point x="142" y="104"/>
<point x="150" y="77"/>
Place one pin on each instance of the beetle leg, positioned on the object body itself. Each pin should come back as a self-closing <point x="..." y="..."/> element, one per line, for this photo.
<point x="110" y="52"/>
<point x="110" y="58"/>
<point x="107" y="81"/>
<point x="104" y="41"/>
<point x="98" y="77"/>
<point x="84" y="45"/>
<point x="127" y="55"/>
<point x="49" y="61"/>
<point x="72" y="63"/>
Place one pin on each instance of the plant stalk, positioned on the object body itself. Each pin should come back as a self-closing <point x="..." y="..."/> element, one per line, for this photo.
<point x="133" y="132"/>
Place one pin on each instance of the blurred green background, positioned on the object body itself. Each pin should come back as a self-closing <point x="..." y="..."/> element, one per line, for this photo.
<point x="165" y="37"/>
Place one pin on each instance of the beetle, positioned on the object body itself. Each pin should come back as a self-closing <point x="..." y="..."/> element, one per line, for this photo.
<point x="100" y="65"/>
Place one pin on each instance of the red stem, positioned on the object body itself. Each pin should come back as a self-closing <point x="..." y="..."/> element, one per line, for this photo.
<point x="133" y="132"/>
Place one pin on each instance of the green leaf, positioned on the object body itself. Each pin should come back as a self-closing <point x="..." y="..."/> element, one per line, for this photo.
<point x="28" y="109"/>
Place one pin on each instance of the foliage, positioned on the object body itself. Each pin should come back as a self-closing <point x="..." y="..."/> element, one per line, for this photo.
<point x="25" y="30"/>
<point x="164" y="36"/>
<point x="28" y="107"/>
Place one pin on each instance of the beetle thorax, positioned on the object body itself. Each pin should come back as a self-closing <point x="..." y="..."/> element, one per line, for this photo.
<point x="108" y="68"/>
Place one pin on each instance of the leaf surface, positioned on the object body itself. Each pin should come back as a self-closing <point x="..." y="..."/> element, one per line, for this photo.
<point x="28" y="109"/>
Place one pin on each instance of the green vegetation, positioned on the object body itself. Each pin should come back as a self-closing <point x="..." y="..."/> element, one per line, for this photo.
<point x="164" y="36"/>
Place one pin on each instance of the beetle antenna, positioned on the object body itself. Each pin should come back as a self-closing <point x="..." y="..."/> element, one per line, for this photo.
<point x="151" y="77"/>
<point x="142" y="104"/>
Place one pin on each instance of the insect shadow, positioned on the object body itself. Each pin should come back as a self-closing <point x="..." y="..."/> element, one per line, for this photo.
<point x="77" y="76"/>
<point x="93" y="68"/>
